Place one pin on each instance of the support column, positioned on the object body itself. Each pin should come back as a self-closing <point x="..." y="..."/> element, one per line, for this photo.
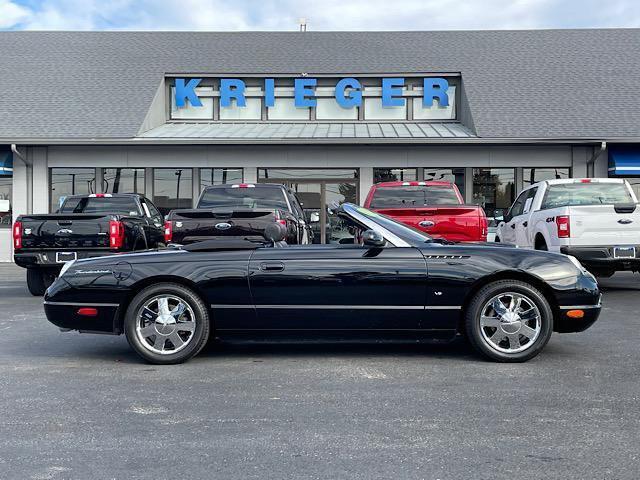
<point x="20" y="186"/>
<point x="366" y="181"/>
<point x="40" y="180"/>
<point x="250" y="174"/>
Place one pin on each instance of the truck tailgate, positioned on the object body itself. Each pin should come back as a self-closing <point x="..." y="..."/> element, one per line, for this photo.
<point x="65" y="231"/>
<point x="191" y="226"/>
<point x="603" y="225"/>
<point x="458" y="223"/>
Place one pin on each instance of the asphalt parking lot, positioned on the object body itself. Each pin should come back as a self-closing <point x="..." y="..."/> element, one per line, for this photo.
<point x="84" y="406"/>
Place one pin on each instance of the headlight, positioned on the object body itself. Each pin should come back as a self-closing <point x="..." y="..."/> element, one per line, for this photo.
<point x="578" y="265"/>
<point x="66" y="266"/>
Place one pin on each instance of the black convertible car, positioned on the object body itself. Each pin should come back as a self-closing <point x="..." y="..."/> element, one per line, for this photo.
<point x="390" y="282"/>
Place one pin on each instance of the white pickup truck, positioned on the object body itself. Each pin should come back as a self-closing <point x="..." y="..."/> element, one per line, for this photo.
<point x="597" y="220"/>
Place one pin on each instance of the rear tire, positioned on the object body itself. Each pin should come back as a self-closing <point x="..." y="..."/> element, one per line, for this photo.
<point x="38" y="281"/>
<point x="167" y="323"/>
<point x="519" y="326"/>
<point x="541" y="244"/>
<point x="497" y="240"/>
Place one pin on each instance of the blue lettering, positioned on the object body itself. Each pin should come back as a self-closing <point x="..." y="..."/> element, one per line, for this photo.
<point x="304" y="94"/>
<point x="232" y="88"/>
<point x="435" y="88"/>
<point x="391" y="90"/>
<point x="187" y="92"/>
<point x="269" y="92"/>
<point x="354" y="99"/>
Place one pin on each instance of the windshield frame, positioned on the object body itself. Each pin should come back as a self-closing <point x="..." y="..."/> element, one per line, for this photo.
<point x="396" y="233"/>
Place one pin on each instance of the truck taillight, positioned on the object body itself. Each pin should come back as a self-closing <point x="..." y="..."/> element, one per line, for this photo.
<point x="17" y="235"/>
<point x="484" y="227"/>
<point x="563" y="225"/>
<point x="116" y="234"/>
<point x="168" y="231"/>
<point x="282" y="221"/>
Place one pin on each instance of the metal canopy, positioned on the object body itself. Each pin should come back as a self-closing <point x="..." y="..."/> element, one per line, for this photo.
<point x="316" y="131"/>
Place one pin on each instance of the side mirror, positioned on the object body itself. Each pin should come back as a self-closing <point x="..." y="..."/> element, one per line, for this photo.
<point x="314" y="217"/>
<point x="371" y="238"/>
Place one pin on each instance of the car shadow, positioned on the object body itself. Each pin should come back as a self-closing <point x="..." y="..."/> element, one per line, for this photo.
<point x="622" y="281"/>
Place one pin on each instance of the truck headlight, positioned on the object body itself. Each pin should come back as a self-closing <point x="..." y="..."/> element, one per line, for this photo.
<point x="66" y="266"/>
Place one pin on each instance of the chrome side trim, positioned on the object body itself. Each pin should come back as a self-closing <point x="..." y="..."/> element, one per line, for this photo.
<point x="347" y="307"/>
<point x="580" y="307"/>
<point x="76" y="304"/>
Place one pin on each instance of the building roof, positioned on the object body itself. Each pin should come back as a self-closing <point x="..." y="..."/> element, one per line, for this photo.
<point x="309" y="131"/>
<point x="542" y="84"/>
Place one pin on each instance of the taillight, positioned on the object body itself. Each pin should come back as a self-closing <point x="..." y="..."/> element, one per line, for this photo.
<point x="17" y="235"/>
<point x="168" y="231"/>
<point x="116" y="234"/>
<point x="282" y="221"/>
<point x="484" y="226"/>
<point x="564" y="228"/>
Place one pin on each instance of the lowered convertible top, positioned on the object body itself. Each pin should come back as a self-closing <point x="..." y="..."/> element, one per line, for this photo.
<point x="222" y="244"/>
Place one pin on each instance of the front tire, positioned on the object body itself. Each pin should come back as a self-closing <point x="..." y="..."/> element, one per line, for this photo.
<point x="167" y="323"/>
<point x="509" y="321"/>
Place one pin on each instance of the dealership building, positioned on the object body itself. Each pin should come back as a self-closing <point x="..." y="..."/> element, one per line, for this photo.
<point x="329" y="113"/>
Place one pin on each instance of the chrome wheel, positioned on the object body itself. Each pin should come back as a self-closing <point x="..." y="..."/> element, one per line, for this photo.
<point x="165" y="324"/>
<point x="510" y="322"/>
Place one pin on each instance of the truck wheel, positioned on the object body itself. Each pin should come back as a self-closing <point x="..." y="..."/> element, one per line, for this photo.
<point x="167" y="323"/>
<point x="541" y="244"/>
<point x="509" y="321"/>
<point x="38" y="280"/>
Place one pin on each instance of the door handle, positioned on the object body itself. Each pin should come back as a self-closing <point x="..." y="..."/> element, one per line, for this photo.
<point x="272" y="267"/>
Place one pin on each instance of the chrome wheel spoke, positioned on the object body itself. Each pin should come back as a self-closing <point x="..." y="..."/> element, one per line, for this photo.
<point x="498" y="336"/>
<point x="499" y="307"/>
<point x="529" y="315"/>
<point x="163" y="306"/>
<point x="514" y="341"/>
<point x="527" y="331"/>
<point x="179" y="310"/>
<point x="514" y="306"/>
<point x="148" y="331"/>
<point x="186" y="327"/>
<point x="159" y="342"/>
<point x="489" y="321"/>
<point x="176" y="340"/>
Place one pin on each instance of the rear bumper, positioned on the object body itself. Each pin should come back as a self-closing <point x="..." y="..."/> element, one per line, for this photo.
<point x="601" y="257"/>
<point x="47" y="259"/>
<point x="65" y="316"/>
<point x="565" y="324"/>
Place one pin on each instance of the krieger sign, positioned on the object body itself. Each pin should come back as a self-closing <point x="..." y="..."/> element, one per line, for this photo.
<point x="348" y="92"/>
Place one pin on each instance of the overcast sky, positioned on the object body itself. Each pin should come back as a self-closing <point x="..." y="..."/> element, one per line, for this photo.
<point x="320" y="14"/>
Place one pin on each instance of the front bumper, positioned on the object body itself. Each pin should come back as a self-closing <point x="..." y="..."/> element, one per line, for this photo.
<point x="566" y="324"/>
<point x="47" y="259"/>
<point x="601" y="257"/>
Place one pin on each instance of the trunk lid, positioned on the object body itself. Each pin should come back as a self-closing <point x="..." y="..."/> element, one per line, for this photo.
<point x="604" y="224"/>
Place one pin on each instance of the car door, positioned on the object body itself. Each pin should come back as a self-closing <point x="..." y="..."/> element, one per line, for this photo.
<point x="511" y="219"/>
<point x="338" y="287"/>
<point x="155" y="232"/>
<point x="522" y="221"/>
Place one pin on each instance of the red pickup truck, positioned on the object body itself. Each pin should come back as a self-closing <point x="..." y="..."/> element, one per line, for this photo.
<point x="436" y="208"/>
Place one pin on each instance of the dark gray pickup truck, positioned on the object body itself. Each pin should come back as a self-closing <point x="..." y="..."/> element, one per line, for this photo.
<point x="240" y="210"/>
<point x="85" y="226"/>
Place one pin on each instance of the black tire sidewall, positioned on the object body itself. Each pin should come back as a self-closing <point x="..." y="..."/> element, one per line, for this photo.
<point x="35" y="282"/>
<point x="473" y="313"/>
<point x="201" y="334"/>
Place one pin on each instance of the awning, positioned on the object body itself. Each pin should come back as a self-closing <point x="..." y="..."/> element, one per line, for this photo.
<point x="6" y="162"/>
<point x="310" y="132"/>
<point x="624" y="161"/>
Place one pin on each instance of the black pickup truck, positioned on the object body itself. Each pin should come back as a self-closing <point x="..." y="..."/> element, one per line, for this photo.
<point x="239" y="210"/>
<point x="85" y="226"/>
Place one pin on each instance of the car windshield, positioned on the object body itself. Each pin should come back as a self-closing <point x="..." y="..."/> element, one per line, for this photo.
<point x="405" y="232"/>
<point x="574" y="194"/>
<point x="413" y="196"/>
<point x="103" y="205"/>
<point x="244" y="197"/>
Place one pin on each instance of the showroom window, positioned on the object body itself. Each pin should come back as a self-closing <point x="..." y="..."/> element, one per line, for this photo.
<point x="327" y="108"/>
<point x="219" y="176"/>
<point x="172" y="188"/>
<point x="251" y="111"/>
<point x="535" y="175"/>
<point x="70" y="181"/>
<point x="123" y="180"/>
<point x="453" y="175"/>
<point x="493" y="188"/>
<point x="373" y="109"/>
<point x="6" y="203"/>
<point x="189" y="112"/>
<point x="435" y="111"/>
<point x="394" y="174"/>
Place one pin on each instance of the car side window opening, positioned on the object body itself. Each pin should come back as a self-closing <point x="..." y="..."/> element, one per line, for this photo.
<point x="529" y="200"/>
<point x="518" y="206"/>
